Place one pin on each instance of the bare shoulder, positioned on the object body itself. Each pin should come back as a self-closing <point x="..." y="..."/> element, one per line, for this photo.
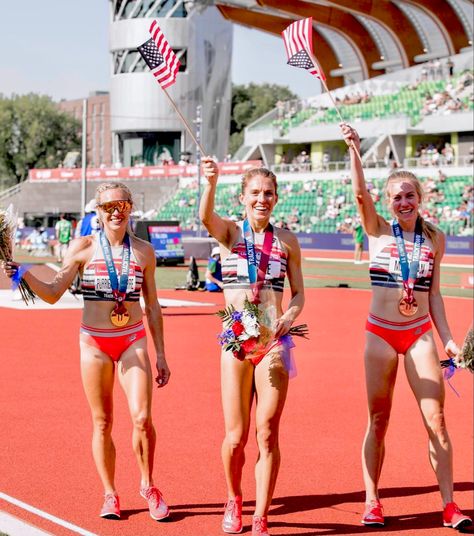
<point x="81" y="245"/>
<point x="143" y="248"/>
<point x="288" y="238"/>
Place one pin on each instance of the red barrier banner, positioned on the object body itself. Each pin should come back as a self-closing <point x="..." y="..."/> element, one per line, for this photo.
<point x="137" y="172"/>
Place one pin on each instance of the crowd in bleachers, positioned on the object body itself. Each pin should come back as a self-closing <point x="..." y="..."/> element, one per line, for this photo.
<point x="436" y="91"/>
<point x="326" y="206"/>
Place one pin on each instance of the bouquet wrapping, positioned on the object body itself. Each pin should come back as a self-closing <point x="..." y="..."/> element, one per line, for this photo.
<point x="250" y="333"/>
<point x="465" y="358"/>
<point x="7" y="241"/>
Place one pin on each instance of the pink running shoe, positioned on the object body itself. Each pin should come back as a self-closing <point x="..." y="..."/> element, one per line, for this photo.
<point x="111" y="506"/>
<point x="232" y="521"/>
<point x="453" y="517"/>
<point x="259" y="526"/>
<point x="373" y="514"/>
<point x="156" y="504"/>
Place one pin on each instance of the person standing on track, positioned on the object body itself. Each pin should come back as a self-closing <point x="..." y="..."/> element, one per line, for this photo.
<point x="405" y="257"/>
<point x="255" y="259"/>
<point x="116" y="267"/>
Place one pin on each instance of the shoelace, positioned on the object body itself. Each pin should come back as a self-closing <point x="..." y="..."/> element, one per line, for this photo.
<point x="232" y="508"/>
<point x="153" y="495"/>
<point x="110" y="499"/>
<point x="260" y="524"/>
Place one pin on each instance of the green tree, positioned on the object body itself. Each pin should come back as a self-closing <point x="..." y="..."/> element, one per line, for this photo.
<point x="34" y="133"/>
<point x="249" y="102"/>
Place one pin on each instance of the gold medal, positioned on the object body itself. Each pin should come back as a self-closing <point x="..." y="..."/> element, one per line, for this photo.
<point x="119" y="316"/>
<point x="407" y="308"/>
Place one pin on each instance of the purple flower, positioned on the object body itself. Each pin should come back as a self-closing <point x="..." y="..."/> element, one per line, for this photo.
<point x="225" y="337"/>
<point x="236" y="316"/>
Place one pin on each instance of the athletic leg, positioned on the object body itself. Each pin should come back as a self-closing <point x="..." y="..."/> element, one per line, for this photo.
<point x="134" y="373"/>
<point x="237" y="394"/>
<point x="426" y="381"/>
<point x="97" y="372"/>
<point x="271" y="385"/>
<point x="381" y="363"/>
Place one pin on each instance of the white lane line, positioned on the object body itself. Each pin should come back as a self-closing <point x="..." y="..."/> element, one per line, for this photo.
<point x="13" y="526"/>
<point x="45" y="515"/>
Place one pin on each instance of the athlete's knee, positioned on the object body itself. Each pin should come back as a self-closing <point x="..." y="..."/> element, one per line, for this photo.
<point x="103" y="424"/>
<point x="436" y="425"/>
<point x="378" y="422"/>
<point x="142" y="421"/>
<point x="267" y="437"/>
<point x="235" y="439"/>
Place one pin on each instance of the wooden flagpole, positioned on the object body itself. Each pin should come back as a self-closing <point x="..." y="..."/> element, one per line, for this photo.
<point x="316" y="64"/>
<point x="185" y="123"/>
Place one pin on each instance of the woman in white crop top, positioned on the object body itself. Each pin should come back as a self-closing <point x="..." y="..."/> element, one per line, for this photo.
<point x="113" y="338"/>
<point x="403" y="300"/>
<point x="266" y="377"/>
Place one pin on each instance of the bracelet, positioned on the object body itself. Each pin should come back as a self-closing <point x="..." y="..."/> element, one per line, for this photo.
<point x="18" y="275"/>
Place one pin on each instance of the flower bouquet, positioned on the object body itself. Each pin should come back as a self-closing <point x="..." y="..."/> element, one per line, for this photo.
<point x="249" y="333"/>
<point x="465" y="358"/>
<point x="7" y="240"/>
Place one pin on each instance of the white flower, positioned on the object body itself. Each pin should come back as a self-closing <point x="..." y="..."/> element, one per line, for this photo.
<point x="250" y="323"/>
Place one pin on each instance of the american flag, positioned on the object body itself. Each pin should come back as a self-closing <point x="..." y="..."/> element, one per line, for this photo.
<point x="299" y="46"/>
<point x="159" y="57"/>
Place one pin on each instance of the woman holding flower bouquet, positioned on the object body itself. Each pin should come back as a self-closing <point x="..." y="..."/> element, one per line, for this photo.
<point x="405" y="258"/>
<point x="116" y="267"/>
<point x="256" y="339"/>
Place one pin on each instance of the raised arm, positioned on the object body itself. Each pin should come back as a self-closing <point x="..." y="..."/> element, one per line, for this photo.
<point x="221" y="229"/>
<point x="365" y="205"/>
<point x="51" y="291"/>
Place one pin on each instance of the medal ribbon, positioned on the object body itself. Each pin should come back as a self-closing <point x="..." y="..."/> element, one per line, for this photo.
<point x="119" y="286"/>
<point x="409" y="271"/>
<point x="256" y="270"/>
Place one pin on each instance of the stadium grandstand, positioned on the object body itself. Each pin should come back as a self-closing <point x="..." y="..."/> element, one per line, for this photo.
<point x="401" y="72"/>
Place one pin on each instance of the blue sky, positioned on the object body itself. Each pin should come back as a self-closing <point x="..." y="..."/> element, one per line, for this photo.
<point x="60" y="48"/>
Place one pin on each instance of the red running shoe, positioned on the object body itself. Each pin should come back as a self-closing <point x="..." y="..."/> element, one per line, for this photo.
<point x="453" y="517"/>
<point x="259" y="526"/>
<point x="156" y="504"/>
<point x="373" y="514"/>
<point x="232" y="521"/>
<point x="111" y="506"/>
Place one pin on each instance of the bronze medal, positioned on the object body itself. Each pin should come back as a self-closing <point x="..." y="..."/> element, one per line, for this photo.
<point x="119" y="316"/>
<point x="407" y="307"/>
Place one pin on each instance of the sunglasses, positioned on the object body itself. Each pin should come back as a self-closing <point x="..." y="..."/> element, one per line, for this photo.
<point x="120" y="206"/>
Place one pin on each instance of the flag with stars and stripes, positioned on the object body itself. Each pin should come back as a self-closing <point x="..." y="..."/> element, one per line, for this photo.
<point x="159" y="57"/>
<point x="299" y="46"/>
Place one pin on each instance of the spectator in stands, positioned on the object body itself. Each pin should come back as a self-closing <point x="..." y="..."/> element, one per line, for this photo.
<point x="89" y="225"/>
<point x="63" y="230"/>
<point x="214" y="271"/>
<point x="399" y="303"/>
<point x="107" y="346"/>
<point x="261" y="377"/>
<point x="450" y="67"/>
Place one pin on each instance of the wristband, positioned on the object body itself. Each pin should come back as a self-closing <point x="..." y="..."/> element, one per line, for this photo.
<point x="18" y="275"/>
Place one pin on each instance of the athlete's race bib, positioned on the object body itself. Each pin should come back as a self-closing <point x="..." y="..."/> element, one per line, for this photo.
<point x="273" y="268"/>
<point x="102" y="284"/>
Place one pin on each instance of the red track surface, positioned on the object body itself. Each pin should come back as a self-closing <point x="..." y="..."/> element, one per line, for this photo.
<point x="45" y="457"/>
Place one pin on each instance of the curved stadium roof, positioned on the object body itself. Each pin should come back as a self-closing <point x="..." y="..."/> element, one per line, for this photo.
<point x="360" y="39"/>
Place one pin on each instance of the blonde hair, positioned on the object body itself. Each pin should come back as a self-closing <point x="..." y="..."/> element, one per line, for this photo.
<point x="254" y="172"/>
<point x="427" y="228"/>
<point x="113" y="186"/>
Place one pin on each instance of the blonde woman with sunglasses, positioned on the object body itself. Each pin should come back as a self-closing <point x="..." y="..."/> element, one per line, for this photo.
<point x="116" y="268"/>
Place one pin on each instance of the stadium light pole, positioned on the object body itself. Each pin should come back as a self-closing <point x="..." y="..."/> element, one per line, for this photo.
<point x="198" y="163"/>
<point x="84" y="158"/>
